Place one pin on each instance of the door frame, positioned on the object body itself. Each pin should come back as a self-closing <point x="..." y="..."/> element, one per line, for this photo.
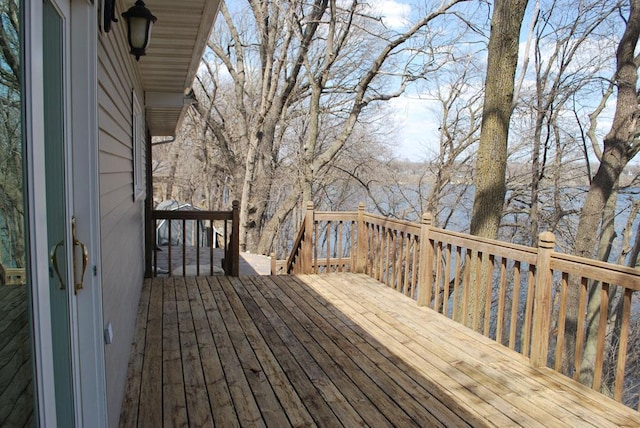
<point x="83" y="202"/>
<point x="86" y="202"/>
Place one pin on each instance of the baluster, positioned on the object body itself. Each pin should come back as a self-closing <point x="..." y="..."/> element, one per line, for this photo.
<point x="456" y="282"/>
<point x="414" y="265"/>
<point x="169" y="264"/>
<point x="407" y="254"/>
<point x="502" y="293"/>
<point x="513" y="325"/>
<point x="225" y="250"/>
<point x="489" y="284"/>
<point x="391" y="257"/>
<point x="397" y="267"/>
<point x="426" y="262"/>
<point x="370" y="250"/>
<point x="340" y="249"/>
<point x="447" y="279"/>
<point x="212" y="238"/>
<point x="623" y="344"/>
<point x="155" y="249"/>
<point x="605" y="289"/>
<point x="184" y="247"/>
<point x="465" y="287"/>
<point x="582" y="307"/>
<point x="528" y="314"/>
<point x="436" y="287"/>
<point x="478" y="262"/>
<point x="328" y="234"/>
<point x="562" y="317"/>
<point x="197" y="240"/>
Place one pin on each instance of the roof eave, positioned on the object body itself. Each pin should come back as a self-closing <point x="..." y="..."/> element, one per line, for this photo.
<point x="173" y="58"/>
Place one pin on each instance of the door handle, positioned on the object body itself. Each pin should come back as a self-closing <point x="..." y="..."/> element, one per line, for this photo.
<point x="53" y="262"/>
<point x="78" y="282"/>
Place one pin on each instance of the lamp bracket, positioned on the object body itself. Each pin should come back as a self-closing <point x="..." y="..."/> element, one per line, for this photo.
<point x="108" y="14"/>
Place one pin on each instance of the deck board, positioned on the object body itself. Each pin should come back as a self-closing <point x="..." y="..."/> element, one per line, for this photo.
<point x="332" y="350"/>
<point x="486" y="362"/>
<point x="16" y="386"/>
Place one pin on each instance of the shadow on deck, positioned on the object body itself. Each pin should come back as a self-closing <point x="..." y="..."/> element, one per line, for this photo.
<point x="332" y="350"/>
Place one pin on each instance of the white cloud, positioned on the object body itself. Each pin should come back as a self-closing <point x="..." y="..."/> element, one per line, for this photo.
<point x="394" y="13"/>
<point x="417" y="126"/>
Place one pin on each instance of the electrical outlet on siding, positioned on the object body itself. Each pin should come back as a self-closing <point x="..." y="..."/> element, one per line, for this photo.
<point x="108" y="334"/>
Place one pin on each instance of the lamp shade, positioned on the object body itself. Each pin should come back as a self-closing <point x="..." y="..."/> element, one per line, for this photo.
<point x="139" y="24"/>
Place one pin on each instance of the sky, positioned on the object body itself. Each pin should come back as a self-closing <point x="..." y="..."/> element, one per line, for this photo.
<point x="416" y="126"/>
<point x="414" y="117"/>
<point x="417" y="135"/>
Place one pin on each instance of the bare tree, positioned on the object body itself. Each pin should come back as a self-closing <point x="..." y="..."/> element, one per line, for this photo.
<point x="502" y="59"/>
<point x="621" y="144"/>
<point x="298" y="77"/>
<point x="491" y="164"/>
<point x="11" y="197"/>
<point x="459" y="103"/>
<point x="562" y="31"/>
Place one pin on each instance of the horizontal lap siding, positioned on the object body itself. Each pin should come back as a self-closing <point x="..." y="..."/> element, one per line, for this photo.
<point x="121" y="217"/>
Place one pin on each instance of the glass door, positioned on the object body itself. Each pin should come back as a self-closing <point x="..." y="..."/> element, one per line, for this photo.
<point x="16" y="360"/>
<point x="58" y="233"/>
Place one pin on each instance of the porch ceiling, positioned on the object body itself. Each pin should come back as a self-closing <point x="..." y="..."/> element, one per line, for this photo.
<point x="177" y="43"/>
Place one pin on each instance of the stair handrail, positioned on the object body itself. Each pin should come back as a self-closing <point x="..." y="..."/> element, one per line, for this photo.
<point x="304" y="231"/>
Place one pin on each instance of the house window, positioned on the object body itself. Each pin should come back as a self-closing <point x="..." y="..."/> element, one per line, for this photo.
<point x="138" y="133"/>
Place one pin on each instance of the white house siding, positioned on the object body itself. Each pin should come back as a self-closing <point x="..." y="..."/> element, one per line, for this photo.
<point x="122" y="224"/>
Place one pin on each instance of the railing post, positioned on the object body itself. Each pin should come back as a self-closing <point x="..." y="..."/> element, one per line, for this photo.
<point x="307" y="241"/>
<point x="272" y="259"/>
<point x="361" y="251"/>
<point x="542" y="301"/>
<point x="425" y="263"/>
<point x="235" y="239"/>
<point x="150" y="239"/>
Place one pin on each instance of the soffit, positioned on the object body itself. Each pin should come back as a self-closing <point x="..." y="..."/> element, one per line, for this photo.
<point x="178" y="40"/>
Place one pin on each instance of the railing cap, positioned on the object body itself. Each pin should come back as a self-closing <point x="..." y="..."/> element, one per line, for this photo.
<point x="547" y="240"/>
<point x="427" y="218"/>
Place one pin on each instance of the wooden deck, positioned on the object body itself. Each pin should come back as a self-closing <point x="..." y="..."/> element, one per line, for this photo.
<point x="332" y="350"/>
<point x="16" y="395"/>
<point x="249" y="264"/>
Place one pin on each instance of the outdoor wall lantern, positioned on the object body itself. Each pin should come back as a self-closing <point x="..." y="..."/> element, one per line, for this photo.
<point x="139" y="23"/>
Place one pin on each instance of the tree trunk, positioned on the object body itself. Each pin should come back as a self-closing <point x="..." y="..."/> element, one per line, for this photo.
<point x="595" y="297"/>
<point x="491" y="165"/>
<point x="620" y="145"/>
<point x="171" y="178"/>
<point x="270" y="230"/>
<point x="499" y="83"/>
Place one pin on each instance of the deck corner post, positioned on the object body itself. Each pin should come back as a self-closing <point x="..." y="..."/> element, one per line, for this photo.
<point x="361" y="251"/>
<point x="149" y="238"/>
<point x="425" y="262"/>
<point x="272" y="259"/>
<point x="307" y="244"/>
<point x="542" y="301"/>
<point x="235" y="239"/>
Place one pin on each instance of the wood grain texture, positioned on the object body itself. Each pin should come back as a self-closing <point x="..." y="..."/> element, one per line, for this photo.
<point x="16" y="386"/>
<point x="334" y="350"/>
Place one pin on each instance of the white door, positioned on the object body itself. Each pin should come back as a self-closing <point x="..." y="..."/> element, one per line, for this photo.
<point x="68" y="56"/>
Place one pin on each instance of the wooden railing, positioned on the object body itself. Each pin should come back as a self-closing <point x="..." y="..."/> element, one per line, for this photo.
<point x="193" y="235"/>
<point x="12" y="276"/>
<point x="516" y="295"/>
